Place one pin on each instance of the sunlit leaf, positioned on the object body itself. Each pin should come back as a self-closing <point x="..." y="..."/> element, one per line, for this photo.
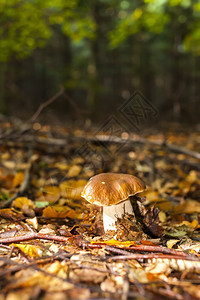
<point x="60" y="212"/>
<point x="18" y="179"/>
<point x="21" y="201"/>
<point x="72" y="188"/>
<point x="30" y="250"/>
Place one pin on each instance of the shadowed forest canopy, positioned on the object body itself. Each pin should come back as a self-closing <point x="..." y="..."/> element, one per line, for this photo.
<point x="101" y="52"/>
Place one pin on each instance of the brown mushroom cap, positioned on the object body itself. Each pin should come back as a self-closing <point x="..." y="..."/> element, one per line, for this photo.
<point x="111" y="188"/>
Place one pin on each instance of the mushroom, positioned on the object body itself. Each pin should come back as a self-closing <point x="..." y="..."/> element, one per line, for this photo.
<point x="112" y="191"/>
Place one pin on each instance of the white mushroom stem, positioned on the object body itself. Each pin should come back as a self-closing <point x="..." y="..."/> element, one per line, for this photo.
<point x="112" y="212"/>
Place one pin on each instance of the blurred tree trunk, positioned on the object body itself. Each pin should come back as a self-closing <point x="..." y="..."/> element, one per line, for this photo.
<point x="93" y="95"/>
<point x="3" y="106"/>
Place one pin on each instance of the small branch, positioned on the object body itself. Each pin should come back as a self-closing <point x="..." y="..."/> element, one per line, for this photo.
<point x="77" y="110"/>
<point x="154" y="255"/>
<point x="115" y="249"/>
<point x="35" y="236"/>
<point x="137" y="139"/>
<point x="45" y="104"/>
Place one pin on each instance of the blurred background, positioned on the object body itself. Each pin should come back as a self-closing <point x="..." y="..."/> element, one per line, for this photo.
<point x="101" y="52"/>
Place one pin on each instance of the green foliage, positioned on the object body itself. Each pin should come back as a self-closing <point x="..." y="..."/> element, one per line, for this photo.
<point x="158" y="17"/>
<point x="26" y="25"/>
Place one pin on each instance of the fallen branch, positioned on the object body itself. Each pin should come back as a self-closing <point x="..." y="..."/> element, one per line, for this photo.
<point x="137" y="139"/>
<point x="35" y="236"/>
<point x="154" y="255"/>
<point x="45" y="104"/>
<point x="121" y="250"/>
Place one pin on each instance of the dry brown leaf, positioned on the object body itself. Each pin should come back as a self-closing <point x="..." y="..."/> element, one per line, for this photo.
<point x="138" y="275"/>
<point x="159" y="265"/>
<point x="25" y="294"/>
<point x="9" y="164"/>
<point x="86" y="275"/>
<point x="10" y="213"/>
<point x="30" y="277"/>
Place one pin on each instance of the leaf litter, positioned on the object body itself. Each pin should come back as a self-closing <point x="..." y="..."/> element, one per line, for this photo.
<point x="52" y="243"/>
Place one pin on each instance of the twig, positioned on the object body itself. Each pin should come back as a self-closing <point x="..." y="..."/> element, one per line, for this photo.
<point x="156" y="249"/>
<point x="115" y="249"/>
<point x="78" y="111"/>
<point x="154" y="255"/>
<point x="45" y="104"/>
<point x="35" y="235"/>
<point x="142" y="248"/>
<point x="137" y="139"/>
<point x="81" y="243"/>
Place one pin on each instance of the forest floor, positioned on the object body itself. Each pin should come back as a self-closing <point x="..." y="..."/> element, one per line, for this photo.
<point x="52" y="243"/>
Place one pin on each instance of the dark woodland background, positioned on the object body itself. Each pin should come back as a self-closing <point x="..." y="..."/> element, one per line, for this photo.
<point x="101" y="52"/>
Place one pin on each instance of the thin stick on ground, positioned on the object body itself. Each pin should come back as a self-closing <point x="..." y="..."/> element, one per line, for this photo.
<point x="35" y="235"/>
<point x="122" y="251"/>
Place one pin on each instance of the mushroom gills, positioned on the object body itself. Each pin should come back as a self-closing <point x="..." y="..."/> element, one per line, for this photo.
<point x="111" y="213"/>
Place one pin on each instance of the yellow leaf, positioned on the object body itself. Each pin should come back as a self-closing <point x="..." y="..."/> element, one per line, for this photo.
<point x="193" y="224"/>
<point x="61" y="166"/>
<point x="52" y="193"/>
<point x="192" y="176"/>
<point x="171" y="243"/>
<point x="164" y="205"/>
<point x="72" y="188"/>
<point x="162" y="216"/>
<point x="113" y="242"/>
<point x="30" y="250"/>
<point x="60" y="212"/>
<point x="74" y="171"/>
<point x="188" y="207"/>
<point x="18" y="179"/>
<point x="9" y="164"/>
<point x="52" y="190"/>
<point x="33" y="222"/>
<point x="21" y="201"/>
<point x="10" y="213"/>
<point x="150" y="195"/>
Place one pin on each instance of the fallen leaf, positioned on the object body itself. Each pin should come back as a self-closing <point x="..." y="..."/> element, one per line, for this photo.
<point x="21" y="201"/>
<point x="33" y="222"/>
<point x="72" y="188"/>
<point x="114" y="242"/>
<point x="30" y="250"/>
<point x="60" y="212"/>
<point x="188" y="207"/>
<point x="171" y="243"/>
<point x="74" y="171"/>
<point x="18" y="179"/>
<point x="9" y="164"/>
